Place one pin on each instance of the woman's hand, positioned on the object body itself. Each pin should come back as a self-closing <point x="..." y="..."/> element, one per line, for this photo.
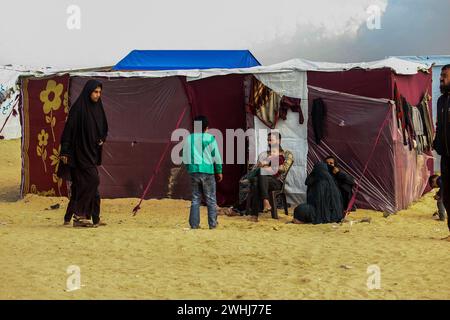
<point x="64" y="159"/>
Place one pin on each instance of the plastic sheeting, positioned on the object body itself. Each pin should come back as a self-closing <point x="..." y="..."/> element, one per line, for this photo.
<point x="142" y="113"/>
<point x="395" y="176"/>
<point x="378" y="83"/>
<point x="294" y="135"/>
<point x="186" y="59"/>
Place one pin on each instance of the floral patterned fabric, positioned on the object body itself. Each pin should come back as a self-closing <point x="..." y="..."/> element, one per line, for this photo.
<point x="45" y="108"/>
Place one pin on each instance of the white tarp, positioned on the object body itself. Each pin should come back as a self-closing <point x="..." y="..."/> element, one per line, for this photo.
<point x="294" y="135"/>
<point x="9" y="103"/>
<point x="399" y="66"/>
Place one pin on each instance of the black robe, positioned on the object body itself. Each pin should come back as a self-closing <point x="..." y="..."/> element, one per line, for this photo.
<point x="345" y="183"/>
<point x="85" y="128"/>
<point x="323" y="198"/>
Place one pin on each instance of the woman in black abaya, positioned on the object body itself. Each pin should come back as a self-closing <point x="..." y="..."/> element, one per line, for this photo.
<point x="81" y="152"/>
<point x="323" y="198"/>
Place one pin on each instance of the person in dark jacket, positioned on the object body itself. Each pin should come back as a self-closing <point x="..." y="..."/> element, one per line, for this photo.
<point x="84" y="133"/>
<point x="344" y="181"/>
<point x="442" y="139"/>
<point x="435" y="181"/>
<point x="323" y="199"/>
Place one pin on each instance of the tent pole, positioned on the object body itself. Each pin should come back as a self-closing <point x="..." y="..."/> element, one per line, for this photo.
<point x="158" y="166"/>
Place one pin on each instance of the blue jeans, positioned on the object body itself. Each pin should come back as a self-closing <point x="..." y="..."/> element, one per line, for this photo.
<point x="203" y="184"/>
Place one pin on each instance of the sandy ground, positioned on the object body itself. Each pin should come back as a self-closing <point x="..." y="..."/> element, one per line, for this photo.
<point x="155" y="256"/>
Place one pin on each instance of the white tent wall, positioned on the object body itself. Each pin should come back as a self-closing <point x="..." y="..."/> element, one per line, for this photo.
<point x="294" y="135"/>
<point x="9" y="102"/>
<point x="11" y="126"/>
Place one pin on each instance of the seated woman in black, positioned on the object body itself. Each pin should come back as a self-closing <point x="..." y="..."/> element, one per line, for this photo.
<point x="323" y="198"/>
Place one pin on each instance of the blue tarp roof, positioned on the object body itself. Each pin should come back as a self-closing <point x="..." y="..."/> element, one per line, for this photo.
<point x="186" y="59"/>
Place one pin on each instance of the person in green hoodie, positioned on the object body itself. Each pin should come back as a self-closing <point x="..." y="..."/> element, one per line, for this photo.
<point x="202" y="159"/>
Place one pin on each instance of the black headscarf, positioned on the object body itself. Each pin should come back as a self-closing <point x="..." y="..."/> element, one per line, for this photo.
<point x="86" y="126"/>
<point x="324" y="195"/>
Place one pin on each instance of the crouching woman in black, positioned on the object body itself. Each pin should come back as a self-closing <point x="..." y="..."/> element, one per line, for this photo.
<point x="323" y="199"/>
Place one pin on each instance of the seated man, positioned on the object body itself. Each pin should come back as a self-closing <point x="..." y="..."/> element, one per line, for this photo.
<point x="344" y="181"/>
<point x="268" y="174"/>
<point x="323" y="199"/>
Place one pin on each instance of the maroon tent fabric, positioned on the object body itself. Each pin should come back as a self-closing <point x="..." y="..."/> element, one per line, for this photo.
<point x="412" y="87"/>
<point x="142" y="113"/>
<point x="395" y="176"/>
<point x="221" y="99"/>
<point x="376" y="83"/>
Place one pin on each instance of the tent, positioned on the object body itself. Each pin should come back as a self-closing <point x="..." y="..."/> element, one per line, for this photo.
<point x="360" y="132"/>
<point x="145" y="106"/>
<point x="142" y="112"/>
<point x="10" y="125"/>
<point x="413" y="81"/>
<point x="436" y="63"/>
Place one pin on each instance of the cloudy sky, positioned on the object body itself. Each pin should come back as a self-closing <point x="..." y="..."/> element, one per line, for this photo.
<point x="36" y="33"/>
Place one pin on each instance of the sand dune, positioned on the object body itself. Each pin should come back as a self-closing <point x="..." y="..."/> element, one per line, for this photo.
<point x="155" y="256"/>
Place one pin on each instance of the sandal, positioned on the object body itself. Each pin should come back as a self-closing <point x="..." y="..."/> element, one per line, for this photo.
<point x="82" y="223"/>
